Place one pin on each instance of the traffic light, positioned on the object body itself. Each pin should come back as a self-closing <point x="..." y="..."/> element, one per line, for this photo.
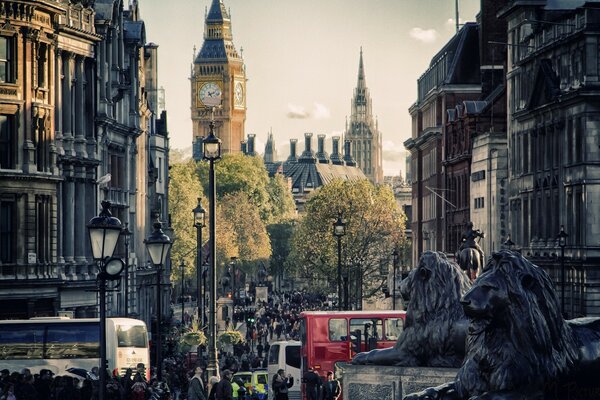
<point x="356" y="341"/>
<point x="250" y="319"/>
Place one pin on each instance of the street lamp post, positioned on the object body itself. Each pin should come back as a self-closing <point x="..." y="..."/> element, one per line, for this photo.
<point x="339" y="230"/>
<point x="158" y="245"/>
<point x="199" y="223"/>
<point x="126" y="239"/>
<point x="104" y="231"/>
<point x="182" y="266"/>
<point x="395" y="259"/>
<point x="562" y="242"/>
<point x="233" y="280"/>
<point x="211" y="149"/>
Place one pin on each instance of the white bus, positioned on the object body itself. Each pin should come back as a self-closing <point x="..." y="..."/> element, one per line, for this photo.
<point x="61" y="343"/>
<point x="285" y="355"/>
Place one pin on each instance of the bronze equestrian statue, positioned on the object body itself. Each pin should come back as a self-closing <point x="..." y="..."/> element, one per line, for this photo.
<point x="469" y="255"/>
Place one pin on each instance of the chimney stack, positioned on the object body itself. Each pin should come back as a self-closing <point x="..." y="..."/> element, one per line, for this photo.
<point x="292" y="157"/>
<point x="244" y="147"/>
<point x="336" y="157"/>
<point x="308" y="156"/>
<point x="322" y="157"/>
<point x="251" y="138"/>
<point x="348" y="154"/>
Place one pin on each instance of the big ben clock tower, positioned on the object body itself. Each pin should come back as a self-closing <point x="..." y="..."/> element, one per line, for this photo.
<point x="219" y="79"/>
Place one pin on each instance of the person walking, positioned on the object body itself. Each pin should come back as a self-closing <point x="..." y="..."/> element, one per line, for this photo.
<point x="313" y="383"/>
<point x="281" y="384"/>
<point x="196" y="390"/>
<point x="224" y="389"/>
<point x="331" y="388"/>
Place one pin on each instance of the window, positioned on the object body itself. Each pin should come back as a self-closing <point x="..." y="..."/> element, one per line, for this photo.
<point x="338" y="329"/>
<point x="479" y="202"/>
<point x="274" y="354"/>
<point x="131" y="336"/>
<point x="6" y="59"/>
<point x="42" y="144"/>
<point x="21" y="342"/>
<point x="72" y="341"/>
<point x="8" y="230"/>
<point x="371" y="326"/>
<point x="43" y="229"/>
<point x="393" y="328"/>
<point x="292" y="356"/>
<point x="8" y="141"/>
<point x="42" y="71"/>
<point x="477" y="176"/>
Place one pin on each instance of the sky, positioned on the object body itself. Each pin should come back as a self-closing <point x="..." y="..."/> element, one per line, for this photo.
<point x="302" y="59"/>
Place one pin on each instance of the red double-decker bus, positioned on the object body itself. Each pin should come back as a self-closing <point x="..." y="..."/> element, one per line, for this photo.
<point x="330" y="337"/>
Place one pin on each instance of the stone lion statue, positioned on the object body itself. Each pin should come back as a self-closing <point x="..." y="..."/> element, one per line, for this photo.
<point x="519" y="346"/>
<point x="435" y="328"/>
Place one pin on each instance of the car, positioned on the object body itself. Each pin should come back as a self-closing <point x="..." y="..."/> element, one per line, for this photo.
<point x="256" y="383"/>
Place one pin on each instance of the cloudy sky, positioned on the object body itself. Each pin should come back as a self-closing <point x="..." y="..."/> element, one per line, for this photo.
<point x="302" y="62"/>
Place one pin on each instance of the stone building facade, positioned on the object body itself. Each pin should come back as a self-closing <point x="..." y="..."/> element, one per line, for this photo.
<point x="218" y="79"/>
<point x="73" y="109"/>
<point x="554" y="142"/>
<point x="363" y="130"/>
<point x="452" y="77"/>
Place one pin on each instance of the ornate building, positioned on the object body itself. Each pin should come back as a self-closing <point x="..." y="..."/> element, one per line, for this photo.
<point x="553" y="85"/>
<point x="218" y="79"/>
<point x="73" y="108"/>
<point x="363" y="131"/>
<point x="452" y="76"/>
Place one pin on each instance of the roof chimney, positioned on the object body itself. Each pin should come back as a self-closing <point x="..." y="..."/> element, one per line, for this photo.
<point x="308" y="155"/>
<point x="336" y="157"/>
<point x="292" y="157"/>
<point x="244" y="147"/>
<point x="251" y="138"/>
<point x="348" y="154"/>
<point x="321" y="155"/>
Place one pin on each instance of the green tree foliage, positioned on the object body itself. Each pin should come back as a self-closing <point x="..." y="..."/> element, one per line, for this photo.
<point x="250" y="233"/>
<point x="374" y="227"/>
<point x="283" y="207"/>
<point x="184" y="189"/>
<point x="248" y="175"/>
<point x="280" y="235"/>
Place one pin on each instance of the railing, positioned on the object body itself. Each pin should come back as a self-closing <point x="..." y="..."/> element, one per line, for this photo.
<point x="40" y="271"/>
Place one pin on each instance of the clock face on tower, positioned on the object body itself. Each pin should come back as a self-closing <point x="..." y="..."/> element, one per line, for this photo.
<point x="239" y="94"/>
<point x="210" y="94"/>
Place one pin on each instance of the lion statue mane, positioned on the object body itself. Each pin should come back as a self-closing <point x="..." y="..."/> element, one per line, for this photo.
<point x="434" y="332"/>
<point x="519" y="346"/>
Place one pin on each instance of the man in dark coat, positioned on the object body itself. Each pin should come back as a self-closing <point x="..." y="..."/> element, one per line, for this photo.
<point x="331" y="388"/>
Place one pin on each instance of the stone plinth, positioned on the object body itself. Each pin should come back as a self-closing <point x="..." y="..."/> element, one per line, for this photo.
<point x="224" y="313"/>
<point x="368" y="382"/>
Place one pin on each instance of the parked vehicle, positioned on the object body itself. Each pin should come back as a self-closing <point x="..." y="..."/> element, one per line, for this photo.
<point x="286" y="355"/>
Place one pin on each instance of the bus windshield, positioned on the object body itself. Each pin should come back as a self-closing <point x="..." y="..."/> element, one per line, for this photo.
<point x="131" y="336"/>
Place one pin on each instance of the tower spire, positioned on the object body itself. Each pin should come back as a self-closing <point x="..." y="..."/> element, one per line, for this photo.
<point x="361" y="71"/>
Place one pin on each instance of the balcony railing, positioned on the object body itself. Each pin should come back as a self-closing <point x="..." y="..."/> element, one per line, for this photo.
<point x="40" y="271"/>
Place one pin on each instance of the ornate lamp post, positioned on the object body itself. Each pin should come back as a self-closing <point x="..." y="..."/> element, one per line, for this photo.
<point x="126" y="239"/>
<point x="395" y="259"/>
<point x="199" y="223"/>
<point x="211" y="149"/>
<point x="339" y="230"/>
<point x="158" y="245"/>
<point x="104" y="231"/>
<point x="233" y="279"/>
<point x="182" y="266"/>
<point x="562" y="242"/>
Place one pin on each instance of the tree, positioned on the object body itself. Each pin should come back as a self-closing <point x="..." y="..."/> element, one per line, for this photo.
<point x="248" y="175"/>
<point x="184" y="190"/>
<point x="374" y="227"/>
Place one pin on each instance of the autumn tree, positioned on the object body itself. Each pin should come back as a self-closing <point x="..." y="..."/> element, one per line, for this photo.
<point x="374" y="228"/>
<point x="184" y="190"/>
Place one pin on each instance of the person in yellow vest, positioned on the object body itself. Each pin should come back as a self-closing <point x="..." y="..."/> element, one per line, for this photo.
<point x="238" y="389"/>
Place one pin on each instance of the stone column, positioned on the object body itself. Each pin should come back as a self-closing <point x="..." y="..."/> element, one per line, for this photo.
<point x="67" y="129"/>
<point x="58" y="103"/>
<point x="80" y="222"/>
<point x="68" y="217"/>
<point x="79" y="108"/>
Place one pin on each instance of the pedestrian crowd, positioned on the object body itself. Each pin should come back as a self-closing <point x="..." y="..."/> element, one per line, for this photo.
<point x="264" y="322"/>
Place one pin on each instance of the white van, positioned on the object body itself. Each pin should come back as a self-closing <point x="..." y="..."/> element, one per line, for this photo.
<point x="285" y="355"/>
